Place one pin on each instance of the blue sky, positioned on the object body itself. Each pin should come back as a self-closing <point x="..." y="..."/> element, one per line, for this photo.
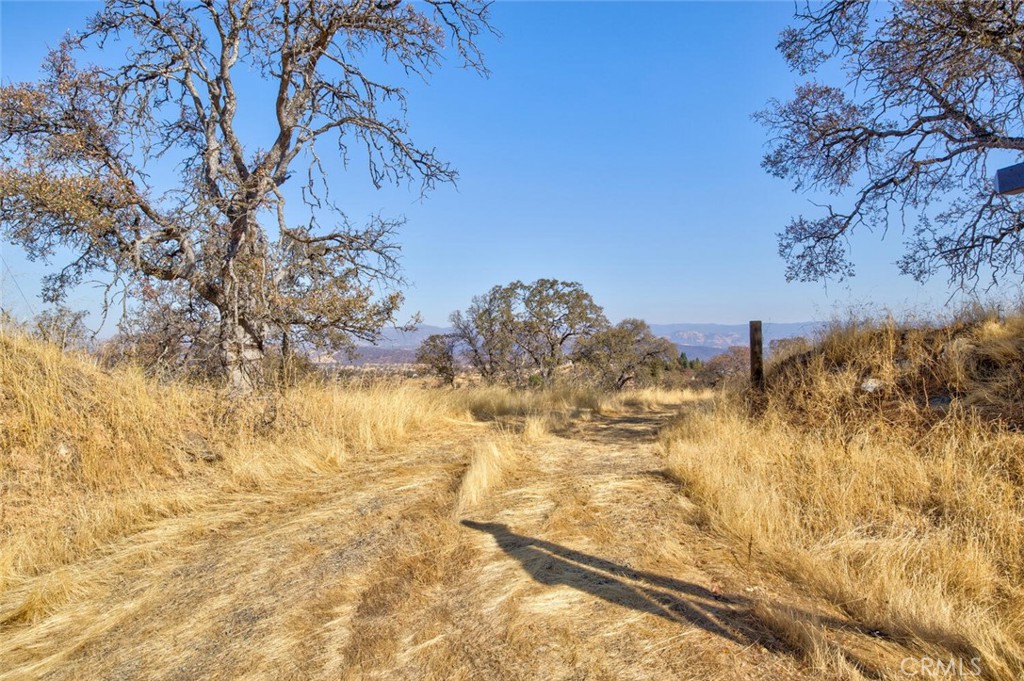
<point x="612" y="144"/>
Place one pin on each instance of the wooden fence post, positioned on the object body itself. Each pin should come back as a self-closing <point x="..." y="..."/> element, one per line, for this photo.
<point x="756" y="357"/>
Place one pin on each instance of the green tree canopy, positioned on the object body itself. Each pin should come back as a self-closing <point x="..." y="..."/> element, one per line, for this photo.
<point x="520" y="329"/>
<point x="625" y="354"/>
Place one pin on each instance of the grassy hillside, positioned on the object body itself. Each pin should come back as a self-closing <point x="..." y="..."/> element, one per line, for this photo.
<point x="886" y="475"/>
<point x="88" y="455"/>
<point x="855" y="523"/>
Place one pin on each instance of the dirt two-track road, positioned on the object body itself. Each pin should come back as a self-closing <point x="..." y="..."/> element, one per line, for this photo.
<point x="582" y="562"/>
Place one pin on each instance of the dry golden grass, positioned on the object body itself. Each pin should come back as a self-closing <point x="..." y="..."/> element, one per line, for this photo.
<point x="975" y="361"/>
<point x="647" y="399"/>
<point x="87" y="456"/>
<point x="389" y="531"/>
<point x="318" y="534"/>
<point x="910" y="520"/>
<point x="805" y="634"/>
<point x="571" y="402"/>
<point x="489" y="402"/>
<point x="489" y="466"/>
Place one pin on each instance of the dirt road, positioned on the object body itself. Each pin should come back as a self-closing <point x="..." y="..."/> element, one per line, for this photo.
<point x="582" y="564"/>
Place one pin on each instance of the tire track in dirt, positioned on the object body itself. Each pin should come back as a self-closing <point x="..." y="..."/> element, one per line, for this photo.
<point x="582" y="565"/>
<point x="589" y="545"/>
<point x="242" y="585"/>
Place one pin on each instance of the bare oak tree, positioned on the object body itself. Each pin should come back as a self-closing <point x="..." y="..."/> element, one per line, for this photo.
<point x="157" y="168"/>
<point x="931" y="89"/>
<point x="486" y="334"/>
<point x="437" y="355"/>
<point x="733" y="363"/>
<point x="62" y="326"/>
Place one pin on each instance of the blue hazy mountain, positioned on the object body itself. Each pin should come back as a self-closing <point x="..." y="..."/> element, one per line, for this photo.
<point x="698" y="341"/>
<point x="724" y="336"/>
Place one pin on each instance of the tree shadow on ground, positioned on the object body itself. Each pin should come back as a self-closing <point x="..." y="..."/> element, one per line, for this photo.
<point x="639" y="425"/>
<point x="672" y="599"/>
<point x="729" y="616"/>
<point x="622" y="430"/>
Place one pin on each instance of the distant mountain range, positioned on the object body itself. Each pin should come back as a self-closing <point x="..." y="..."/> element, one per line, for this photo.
<point x="698" y="341"/>
<point x="393" y="338"/>
<point x="723" y="336"/>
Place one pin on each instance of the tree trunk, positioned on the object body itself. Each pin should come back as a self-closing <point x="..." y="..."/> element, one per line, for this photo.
<point x="286" y="359"/>
<point x="243" y="357"/>
<point x="623" y="379"/>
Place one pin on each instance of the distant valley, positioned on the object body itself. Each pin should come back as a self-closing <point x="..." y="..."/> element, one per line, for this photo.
<point x="698" y="341"/>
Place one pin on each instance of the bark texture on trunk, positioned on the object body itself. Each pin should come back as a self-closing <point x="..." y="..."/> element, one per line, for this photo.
<point x="243" y="358"/>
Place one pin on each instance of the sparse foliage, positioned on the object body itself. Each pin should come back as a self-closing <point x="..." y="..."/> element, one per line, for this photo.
<point x="486" y="333"/>
<point x="733" y="362"/>
<point x="79" y="150"/>
<point x="931" y="90"/>
<point x="169" y="333"/>
<point x="786" y="347"/>
<point x="62" y="326"/>
<point x="437" y="354"/>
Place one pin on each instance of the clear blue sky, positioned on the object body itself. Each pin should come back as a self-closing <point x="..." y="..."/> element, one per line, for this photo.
<point x="612" y="145"/>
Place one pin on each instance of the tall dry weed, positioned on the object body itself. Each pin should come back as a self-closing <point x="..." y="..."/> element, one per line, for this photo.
<point x="88" y="455"/>
<point x="907" y="517"/>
